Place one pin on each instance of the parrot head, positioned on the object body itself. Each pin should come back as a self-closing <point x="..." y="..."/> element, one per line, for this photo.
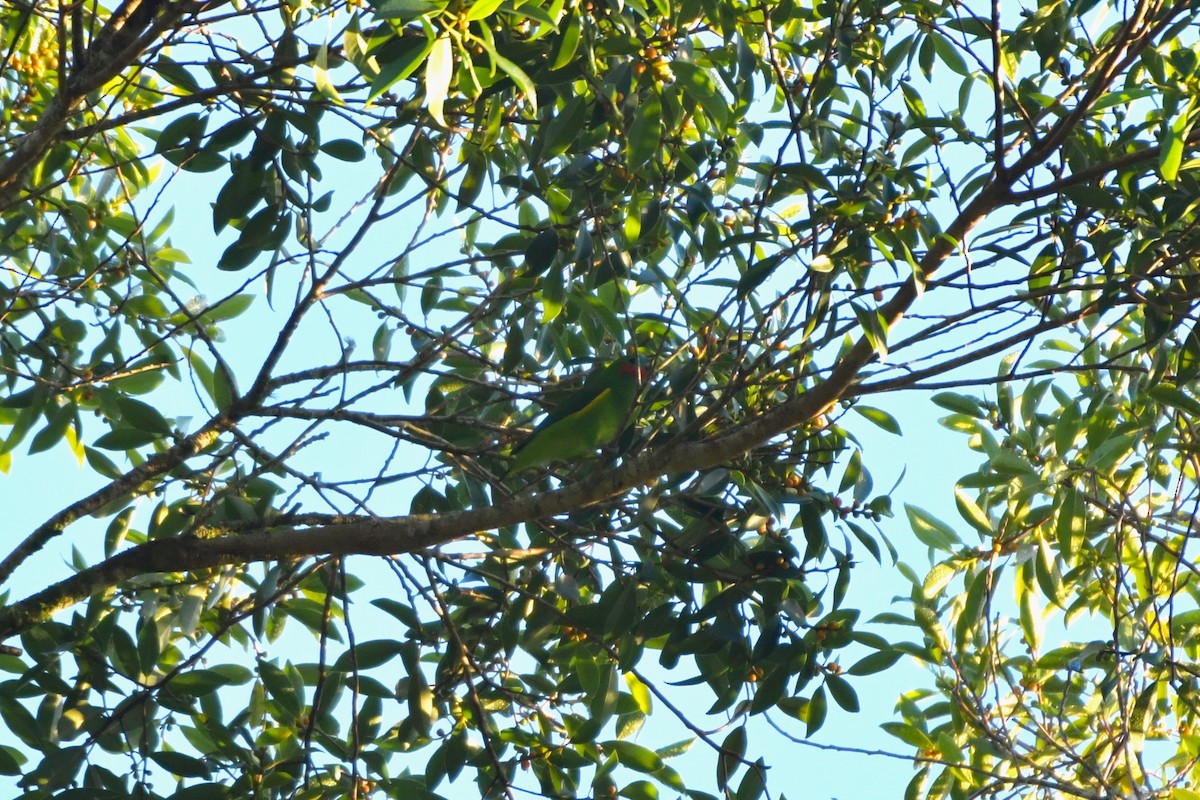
<point x="634" y="367"/>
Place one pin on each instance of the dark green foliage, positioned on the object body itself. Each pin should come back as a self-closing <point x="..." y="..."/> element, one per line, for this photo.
<point x="294" y="565"/>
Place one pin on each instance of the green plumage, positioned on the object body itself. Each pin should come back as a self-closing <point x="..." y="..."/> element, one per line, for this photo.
<point x="590" y="418"/>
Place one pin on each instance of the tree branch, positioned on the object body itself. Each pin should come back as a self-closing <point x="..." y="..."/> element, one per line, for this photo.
<point x="125" y="35"/>
<point x="416" y="532"/>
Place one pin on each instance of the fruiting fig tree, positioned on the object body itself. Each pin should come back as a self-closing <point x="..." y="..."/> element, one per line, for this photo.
<point x="286" y="287"/>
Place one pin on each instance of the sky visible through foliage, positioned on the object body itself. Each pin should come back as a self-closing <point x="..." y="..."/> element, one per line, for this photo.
<point x="799" y="214"/>
<point x="924" y="463"/>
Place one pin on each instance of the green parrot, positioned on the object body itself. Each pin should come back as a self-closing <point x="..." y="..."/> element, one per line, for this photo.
<point x="590" y="418"/>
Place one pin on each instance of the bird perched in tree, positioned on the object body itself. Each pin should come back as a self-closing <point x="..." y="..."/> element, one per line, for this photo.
<point x="590" y="418"/>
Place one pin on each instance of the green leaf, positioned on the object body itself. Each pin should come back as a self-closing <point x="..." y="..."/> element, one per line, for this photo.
<point x="180" y="764"/>
<point x="344" y="150"/>
<point x="759" y="272"/>
<point x="11" y="761"/>
<point x="368" y="655"/>
<point x="950" y="750"/>
<point x="770" y="691"/>
<point x="1110" y="454"/>
<point x="569" y="43"/>
<point x="938" y="578"/>
<point x="640" y="693"/>
<point x="818" y="707"/>
<point x="916" y="106"/>
<point x="880" y="418"/>
<point x="401" y="65"/>
<point x="472" y="182"/>
<point x="553" y="295"/>
<point x="972" y="513"/>
<point x="145" y="378"/>
<point x="282" y="689"/>
<point x="224" y="387"/>
<point x="125" y="439"/>
<point x="949" y="54"/>
<point x="187" y="127"/>
<point x="406" y="10"/>
<point x="237" y="257"/>
<point x="909" y="735"/>
<point x="439" y="69"/>
<point x="430" y="293"/>
<point x="542" y="251"/>
<point x="875" y="662"/>
<point x="1188" y="360"/>
<point x="1173" y="141"/>
<point x="198" y="682"/>
<point x="321" y="78"/>
<point x="853" y="472"/>
<point x="700" y="88"/>
<point x="517" y="74"/>
<point x="176" y="74"/>
<point x="151" y="637"/>
<point x="480" y="9"/>
<point x="635" y="756"/>
<point x="1169" y="394"/>
<point x="676" y="749"/>
<point x="645" y="132"/>
<point x="733" y="750"/>
<point x="753" y="783"/>
<point x="959" y="403"/>
<point x="1006" y="462"/>
<point x="930" y="530"/>
<point x="1032" y="623"/>
<point x="102" y="464"/>
<point x="147" y="305"/>
<point x="842" y="692"/>
<point x="22" y="724"/>
<point x="875" y="331"/>
<point x="973" y="606"/>
<point x="814" y="530"/>
<point x="640" y="790"/>
<point x="381" y="342"/>
<point x="116" y="532"/>
<point x="142" y="416"/>
<point x="628" y="725"/>
<point x="56" y="428"/>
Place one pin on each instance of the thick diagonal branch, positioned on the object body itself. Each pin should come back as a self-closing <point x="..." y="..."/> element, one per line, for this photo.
<point x="416" y="532"/>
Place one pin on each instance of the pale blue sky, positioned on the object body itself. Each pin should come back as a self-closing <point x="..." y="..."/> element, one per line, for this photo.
<point x="932" y="457"/>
